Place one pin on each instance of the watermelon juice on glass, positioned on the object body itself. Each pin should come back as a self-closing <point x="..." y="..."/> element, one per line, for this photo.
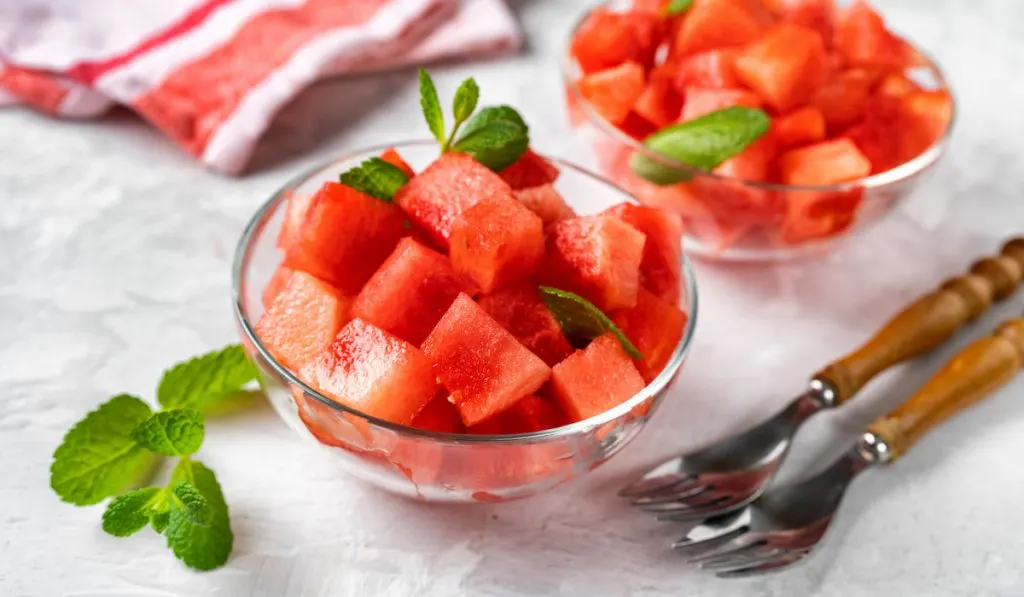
<point x="464" y="319"/>
<point x="774" y="128"/>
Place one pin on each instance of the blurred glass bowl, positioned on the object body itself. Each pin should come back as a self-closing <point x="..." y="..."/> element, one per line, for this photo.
<point x="422" y="464"/>
<point x="733" y="219"/>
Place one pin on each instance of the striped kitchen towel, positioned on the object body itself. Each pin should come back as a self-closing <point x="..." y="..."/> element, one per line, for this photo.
<point x="211" y="74"/>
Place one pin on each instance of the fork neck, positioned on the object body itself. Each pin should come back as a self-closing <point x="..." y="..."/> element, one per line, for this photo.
<point x="820" y="395"/>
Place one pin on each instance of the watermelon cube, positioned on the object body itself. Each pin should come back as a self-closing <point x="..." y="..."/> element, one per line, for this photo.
<point x="275" y="285"/>
<point x="926" y="116"/>
<point x="817" y="15"/>
<point x="655" y="327"/>
<point x="530" y="170"/>
<point x="660" y="103"/>
<point x="843" y="100"/>
<point x="529" y="415"/>
<point x="713" y="24"/>
<point x="597" y="257"/>
<point x="546" y="202"/>
<point x="435" y="197"/>
<point x="345" y="237"/>
<point x="825" y="163"/>
<point x="410" y="292"/>
<point x="496" y="242"/>
<point x="712" y="69"/>
<point x="369" y="370"/>
<point x="815" y="215"/>
<point x="439" y="415"/>
<point x="520" y="310"/>
<point x="895" y="85"/>
<point x="800" y="127"/>
<point x="878" y="135"/>
<point x="607" y="39"/>
<point x="483" y="365"/>
<point x="595" y="379"/>
<point x="861" y="39"/>
<point x="295" y="208"/>
<point x="613" y="92"/>
<point x="701" y="101"/>
<point x="663" y="253"/>
<point x="785" y="66"/>
<point x="303" y="320"/>
<point x="392" y="157"/>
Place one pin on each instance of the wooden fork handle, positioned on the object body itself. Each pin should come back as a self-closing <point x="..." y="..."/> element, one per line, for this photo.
<point x="976" y="372"/>
<point x="929" y="321"/>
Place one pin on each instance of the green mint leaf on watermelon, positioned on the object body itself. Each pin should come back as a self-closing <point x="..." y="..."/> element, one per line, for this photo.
<point x="201" y="545"/>
<point x="206" y="380"/>
<point x="703" y="143"/>
<point x="127" y="514"/>
<point x="98" y="456"/>
<point x="376" y="178"/>
<point x="496" y="145"/>
<point x="466" y="98"/>
<point x="176" y="432"/>
<point x="582" y="320"/>
<point x="492" y="114"/>
<point x="675" y="7"/>
<point x="431" y="106"/>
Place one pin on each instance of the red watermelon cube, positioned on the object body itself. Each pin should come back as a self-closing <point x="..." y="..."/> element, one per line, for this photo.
<point x="663" y="253"/>
<point x="660" y="103"/>
<point x="303" y="320"/>
<point x="607" y="39"/>
<point x="926" y="117"/>
<point x="275" y="285"/>
<point x="371" y="371"/>
<point x="520" y="310"/>
<point x="825" y="163"/>
<point x="800" y="127"/>
<point x="844" y="99"/>
<point x="701" y="101"/>
<point x="595" y="379"/>
<point x="439" y="415"/>
<point x="712" y="69"/>
<point x="817" y="15"/>
<point x="597" y="257"/>
<point x="786" y="66"/>
<point x="434" y="198"/>
<point x="530" y="170"/>
<point x="861" y="39"/>
<point x="877" y="136"/>
<point x="497" y="241"/>
<point x="483" y="365"/>
<point x="613" y="92"/>
<point x="713" y="24"/>
<point x="345" y="237"/>
<point x="895" y="85"/>
<point x="410" y="292"/>
<point x="295" y="208"/>
<point x="815" y="215"/>
<point x="655" y="327"/>
<point x="530" y="415"/>
<point x="392" y="157"/>
<point x="546" y="202"/>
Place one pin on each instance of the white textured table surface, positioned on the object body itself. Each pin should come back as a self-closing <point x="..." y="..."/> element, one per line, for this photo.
<point x="114" y="259"/>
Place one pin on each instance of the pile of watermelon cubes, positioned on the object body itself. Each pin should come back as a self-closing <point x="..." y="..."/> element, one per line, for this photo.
<point x="425" y="311"/>
<point x="838" y="85"/>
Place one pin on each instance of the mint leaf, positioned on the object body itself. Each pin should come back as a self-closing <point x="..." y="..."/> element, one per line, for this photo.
<point x="129" y="513"/>
<point x="496" y="145"/>
<point x="171" y="432"/>
<point x="192" y="504"/>
<point x="161" y="519"/>
<point x="200" y="546"/>
<point x="703" y="143"/>
<point x="376" y="178"/>
<point x="492" y="114"/>
<point x="582" y="320"/>
<point x="205" y="380"/>
<point x="431" y="106"/>
<point x="98" y="456"/>
<point x="675" y="7"/>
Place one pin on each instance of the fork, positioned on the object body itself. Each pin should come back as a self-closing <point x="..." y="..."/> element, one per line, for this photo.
<point x="784" y="525"/>
<point x="735" y="471"/>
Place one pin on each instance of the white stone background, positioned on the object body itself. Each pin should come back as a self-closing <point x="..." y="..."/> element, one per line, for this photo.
<point x="114" y="262"/>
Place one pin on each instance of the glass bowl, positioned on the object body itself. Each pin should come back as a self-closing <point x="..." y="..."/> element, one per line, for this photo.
<point x="423" y="464"/>
<point x="732" y="219"/>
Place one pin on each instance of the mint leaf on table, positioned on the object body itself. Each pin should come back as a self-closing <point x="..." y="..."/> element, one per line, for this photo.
<point x="376" y="178"/>
<point x="204" y="381"/>
<point x="582" y="320"/>
<point x="98" y="456"/>
<point x="129" y="513"/>
<point x="171" y="432"/>
<point x="703" y="143"/>
<point x="202" y="546"/>
<point x="675" y="7"/>
<point x="192" y="504"/>
<point x="431" y="106"/>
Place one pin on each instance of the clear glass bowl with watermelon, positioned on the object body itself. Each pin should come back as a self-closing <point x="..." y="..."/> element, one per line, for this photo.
<point x="415" y="342"/>
<point x="849" y="116"/>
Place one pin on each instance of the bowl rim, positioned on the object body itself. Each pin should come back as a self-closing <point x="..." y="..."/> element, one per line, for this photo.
<point x="267" y="210"/>
<point x="904" y="171"/>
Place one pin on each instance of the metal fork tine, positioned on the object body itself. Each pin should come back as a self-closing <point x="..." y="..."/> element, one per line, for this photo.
<point x="663" y="477"/>
<point x="699" y="498"/>
<point x="738" y="545"/>
<point x="710" y="510"/>
<point x="757" y="555"/>
<point x="678" y="492"/>
<point x="691" y="548"/>
<point x="773" y="565"/>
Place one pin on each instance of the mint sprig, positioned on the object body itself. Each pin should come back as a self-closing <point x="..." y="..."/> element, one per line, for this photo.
<point x="376" y="178"/>
<point x="581" y="320"/>
<point x="675" y="7"/>
<point x="496" y="137"/>
<point x="114" y="444"/>
<point x="703" y="143"/>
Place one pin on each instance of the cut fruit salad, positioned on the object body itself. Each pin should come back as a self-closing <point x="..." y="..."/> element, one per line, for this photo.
<point x="784" y="92"/>
<point x="469" y="297"/>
